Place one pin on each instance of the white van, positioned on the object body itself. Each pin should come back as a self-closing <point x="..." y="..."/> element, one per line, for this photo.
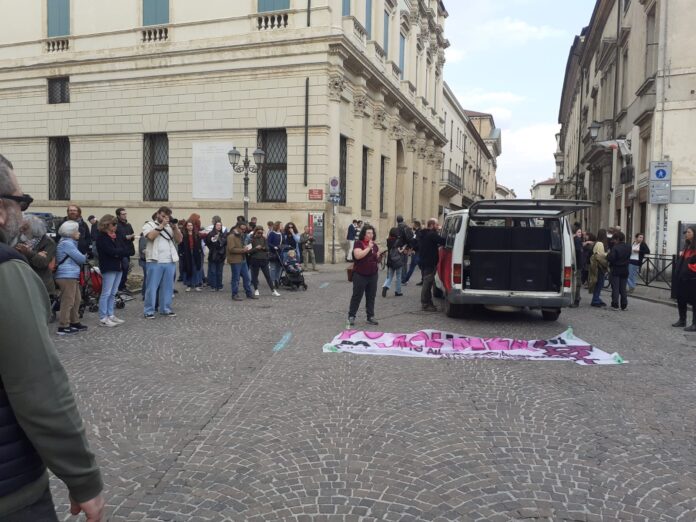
<point x="508" y="255"/>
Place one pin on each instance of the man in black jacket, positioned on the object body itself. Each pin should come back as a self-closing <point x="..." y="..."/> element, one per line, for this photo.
<point x="618" y="259"/>
<point x="124" y="231"/>
<point x="429" y="250"/>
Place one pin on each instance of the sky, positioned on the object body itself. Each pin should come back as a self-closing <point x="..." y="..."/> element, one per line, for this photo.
<point x="508" y="58"/>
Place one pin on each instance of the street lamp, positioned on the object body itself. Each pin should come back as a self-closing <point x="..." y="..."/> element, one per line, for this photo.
<point x="246" y="168"/>
<point x="594" y="130"/>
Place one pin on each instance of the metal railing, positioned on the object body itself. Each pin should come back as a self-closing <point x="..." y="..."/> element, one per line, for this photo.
<point x="657" y="270"/>
<point x="452" y="179"/>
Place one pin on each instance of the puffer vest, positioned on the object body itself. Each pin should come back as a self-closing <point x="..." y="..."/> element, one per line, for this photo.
<point x="20" y="464"/>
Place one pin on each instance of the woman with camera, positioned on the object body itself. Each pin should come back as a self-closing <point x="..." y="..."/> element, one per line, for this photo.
<point x="365" y="274"/>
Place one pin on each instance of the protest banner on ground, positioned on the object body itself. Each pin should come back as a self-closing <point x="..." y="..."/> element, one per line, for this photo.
<point x="446" y="345"/>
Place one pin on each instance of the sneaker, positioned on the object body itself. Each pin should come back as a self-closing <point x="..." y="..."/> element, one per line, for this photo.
<point x="66" y="331"/>
<point x="631" y="290"/>
<point x="681" y="323"/>
<point x="237" y="298"/>
<point x="188" y="288"/>
<point x="691" y="328"/>
<point x="404" y="283"/>
<point x="351" y="321"/>
<point x="169" y="314"/>
<point x="116" y="320"/>
<point x="256" y="293"/>
<point x="384" y="291"/>
<point x="252" y="296"/>
<point x="615" y="308"/>
<point x="199" y="289"/>
<point x="79" y="327"/>
<point x="430" y="308"/>
<point x="107" y="322"/>
<point x="372" y="321"/>
<point x="275" y="293"/>
<point x="149" y="316"/>
<point x="398" y="294"/>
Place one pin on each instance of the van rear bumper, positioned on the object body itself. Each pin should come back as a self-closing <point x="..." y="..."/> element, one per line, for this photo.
<point x="552" y="301"/>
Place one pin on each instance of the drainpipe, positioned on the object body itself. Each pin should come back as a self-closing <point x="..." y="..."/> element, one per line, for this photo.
<point x="582" y="93"/>
<point x="309" y="13"/>
<point x="306" y="133"/>
<point x="614" y="152"/>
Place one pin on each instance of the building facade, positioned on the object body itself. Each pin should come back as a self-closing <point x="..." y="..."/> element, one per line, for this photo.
<point x="628" y="100"/>
<point x="544" y="189"/>
<point x="135" y="104"/>
<point x="470" y="162"/>
<point x="503" y="192"/>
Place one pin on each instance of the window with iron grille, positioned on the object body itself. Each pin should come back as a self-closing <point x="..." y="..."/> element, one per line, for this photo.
<point x="343" y="171"/>
<point x="59" y="169"/>
<point x="272" y="180"/>
<point x="381" y="184"/>
<point x="156" y="167"/>
<point x="59" y="90"/>
<point x="363" y="199"/>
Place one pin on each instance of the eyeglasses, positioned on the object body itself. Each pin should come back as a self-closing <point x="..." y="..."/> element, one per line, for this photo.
<point x="24" y="200"/>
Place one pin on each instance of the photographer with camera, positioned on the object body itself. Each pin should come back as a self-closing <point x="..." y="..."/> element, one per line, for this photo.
<point x="161" y="257"/>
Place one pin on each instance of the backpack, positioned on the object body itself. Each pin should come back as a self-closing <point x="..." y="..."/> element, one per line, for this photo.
<point x="395" y="259"/>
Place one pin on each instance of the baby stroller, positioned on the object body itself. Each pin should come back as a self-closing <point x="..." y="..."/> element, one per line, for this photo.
<point x="289" y="278"/>
<point x="90" y="290"/>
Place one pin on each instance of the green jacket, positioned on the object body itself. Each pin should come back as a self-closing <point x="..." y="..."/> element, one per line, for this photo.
<point x="38" y="390"/>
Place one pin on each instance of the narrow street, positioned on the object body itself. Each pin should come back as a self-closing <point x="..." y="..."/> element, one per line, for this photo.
<point x="231" y="411"/>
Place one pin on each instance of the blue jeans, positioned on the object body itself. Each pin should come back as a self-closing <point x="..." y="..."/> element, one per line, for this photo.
<point x="275" y="271"/>
<point x="107" y="299"/>
<point x="160" y="277"/>
<point x="143" y="265"/>
<point x="633" y="271"/>
<point x="414" y="264"/>
<point x="215" y="274"/>
<point x="194" y="279"/>
<point x="596" y="299"/>
<point x="240" y="269"/>
<point x="391" y="274"/>
<point x="125" y="267"/>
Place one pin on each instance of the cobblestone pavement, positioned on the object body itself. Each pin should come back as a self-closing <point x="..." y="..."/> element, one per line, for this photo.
<point x="204" y="417"/>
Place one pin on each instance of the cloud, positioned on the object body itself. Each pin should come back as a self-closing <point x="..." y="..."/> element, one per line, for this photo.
<point x="477" y="97"/>
<point x="527" y="156"/>
<point x="507" y="32"/>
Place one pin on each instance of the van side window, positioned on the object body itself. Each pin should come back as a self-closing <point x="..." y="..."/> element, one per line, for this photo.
<point x="450" y="231"/>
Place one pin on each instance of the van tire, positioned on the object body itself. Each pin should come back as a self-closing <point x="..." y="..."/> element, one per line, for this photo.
<point x="550" y="315"/>
<point x="455" y="311"/>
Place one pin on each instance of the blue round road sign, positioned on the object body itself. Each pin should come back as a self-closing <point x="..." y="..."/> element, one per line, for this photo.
<point x="661" y="174"/>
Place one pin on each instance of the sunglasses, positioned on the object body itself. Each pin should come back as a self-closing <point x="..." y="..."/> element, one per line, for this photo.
<point x="24" y="200"/>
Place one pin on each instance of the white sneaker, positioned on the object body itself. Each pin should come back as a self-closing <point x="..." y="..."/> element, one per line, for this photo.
<point x="116" y="320"/>
<point x="275" y="293"/>
<point x="188" y="288"/>
<point x="199" y="289"/>
<point x="107" y="322"/>
<point x="256" y="293"/>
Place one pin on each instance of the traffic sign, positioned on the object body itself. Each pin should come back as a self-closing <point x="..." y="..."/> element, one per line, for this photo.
<point x="334" y="186"/>
<point x="660" y="171"/>
<point x="660" y="192"/>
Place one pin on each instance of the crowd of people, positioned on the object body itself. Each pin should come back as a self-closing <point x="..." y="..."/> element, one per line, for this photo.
<point x="164" y="245"/>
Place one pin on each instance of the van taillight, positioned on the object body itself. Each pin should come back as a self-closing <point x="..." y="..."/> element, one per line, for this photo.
<point x="567" y="274"/>
<point x="457" y="274"/>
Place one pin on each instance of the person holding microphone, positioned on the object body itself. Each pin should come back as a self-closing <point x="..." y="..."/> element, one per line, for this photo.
<point x="366" y="256"/>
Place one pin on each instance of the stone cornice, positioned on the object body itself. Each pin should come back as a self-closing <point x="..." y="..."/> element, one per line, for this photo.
<point x="409" y="111"/>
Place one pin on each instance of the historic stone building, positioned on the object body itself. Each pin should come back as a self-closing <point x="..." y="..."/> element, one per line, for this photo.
<point x="629" y="100"/>
<point x="135" y="103"/>
<point x="470" y="156"/>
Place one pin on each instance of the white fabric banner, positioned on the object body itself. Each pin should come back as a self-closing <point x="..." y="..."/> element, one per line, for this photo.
<point x="446" y="345"/>
<point x="212" y="172"/>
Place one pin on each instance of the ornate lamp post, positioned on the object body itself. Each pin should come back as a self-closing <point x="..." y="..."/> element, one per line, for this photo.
<point x="246" y="167"/>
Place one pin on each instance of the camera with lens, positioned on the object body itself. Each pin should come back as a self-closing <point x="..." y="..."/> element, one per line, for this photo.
<point x="173" y="221"/>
